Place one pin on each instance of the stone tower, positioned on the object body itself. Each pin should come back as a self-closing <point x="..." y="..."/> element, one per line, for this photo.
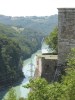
<point x="66" y="36"/>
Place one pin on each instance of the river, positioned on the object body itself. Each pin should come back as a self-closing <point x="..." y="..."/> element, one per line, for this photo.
<point x="28" y="70"/>
<point x="29" y="66"/>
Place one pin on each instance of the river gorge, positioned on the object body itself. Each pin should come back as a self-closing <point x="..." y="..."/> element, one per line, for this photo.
<point x="28" y="69"/>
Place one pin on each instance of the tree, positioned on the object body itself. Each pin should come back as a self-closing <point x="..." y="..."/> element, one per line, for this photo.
<point x="42" y="90"/>
<point x="11" y="95"/>
<point x="38" y="89"/>
<point x="69" y="80"/>
<point x="52" y="39"/>
<point x="10" y="61"/>
<point x="63" y="90"/>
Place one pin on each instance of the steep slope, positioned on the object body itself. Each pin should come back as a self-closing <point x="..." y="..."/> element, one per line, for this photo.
<point x="28" y="39"/>
<point x="10" y="61"/>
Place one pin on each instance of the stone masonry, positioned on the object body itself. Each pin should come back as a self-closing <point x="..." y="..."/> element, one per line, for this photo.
<point x="66" y="36"/>
<point x="46" y="66"/>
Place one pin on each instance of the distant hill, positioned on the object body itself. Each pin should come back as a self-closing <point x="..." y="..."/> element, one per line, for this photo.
<point x="28" y="31"/>
<point x="41" y="24"/>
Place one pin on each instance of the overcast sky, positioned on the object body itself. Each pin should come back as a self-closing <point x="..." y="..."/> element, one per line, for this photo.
<point x="33" y="7"/>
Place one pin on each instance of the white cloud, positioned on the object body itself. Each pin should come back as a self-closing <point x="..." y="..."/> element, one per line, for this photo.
<point x="33" y="7"/>
<point x="65" y="4"/>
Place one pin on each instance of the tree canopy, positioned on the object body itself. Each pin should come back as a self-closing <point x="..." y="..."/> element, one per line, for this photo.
<point x="28" y="39"/>
<point x="10" y="61"/>
<point x="52" y="40"/>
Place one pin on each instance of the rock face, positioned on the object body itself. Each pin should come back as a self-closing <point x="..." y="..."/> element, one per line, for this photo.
<point x="66" y="36"/>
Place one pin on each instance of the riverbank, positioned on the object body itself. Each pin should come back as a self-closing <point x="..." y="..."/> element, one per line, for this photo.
<point x="28" y="71"/>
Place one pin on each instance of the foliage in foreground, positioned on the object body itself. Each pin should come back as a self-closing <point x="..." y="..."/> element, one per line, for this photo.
<point x="11" y="95"/>
<point x="65" y="90"/>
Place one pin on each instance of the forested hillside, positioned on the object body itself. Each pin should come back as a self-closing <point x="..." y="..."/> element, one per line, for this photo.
<point x="28" y="32"/>
<point x="15" y="46"/>
<point x="10" y="61"/>
<point x="20" y="37"/>
<point x="41" y="24"/>
<point x="28" y="39"/>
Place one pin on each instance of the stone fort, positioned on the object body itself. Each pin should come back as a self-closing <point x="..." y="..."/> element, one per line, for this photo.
<point x="66" y="35"/>
<point x="48" y="65"/>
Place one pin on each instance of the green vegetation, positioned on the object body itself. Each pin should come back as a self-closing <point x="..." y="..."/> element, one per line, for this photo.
<point x="16" y="44"/>
<point x="42" y="90"/>
<point x="41" y="24"/>
<point x="39" y="89"/>
<point x="14" y="47"/>
<point x="22" y="98"/>
<point x="28" y="39"/>
<point x="18" y="41"/>
<point x="52" y="40"/>
<point x="11" y="95"/>
<point x="28" y="32"/>
<point x="10" y="61"/>
<point x="71" y="59"/>
<point x="6" y="30"/>
<point x="65" y="90"/>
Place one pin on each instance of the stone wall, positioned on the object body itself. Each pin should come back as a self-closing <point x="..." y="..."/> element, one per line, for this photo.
<point x="66" y="36"/>
<point x="45" y="66"/>
<point x="48" y="69"/>
<point x="38" y="69"/>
